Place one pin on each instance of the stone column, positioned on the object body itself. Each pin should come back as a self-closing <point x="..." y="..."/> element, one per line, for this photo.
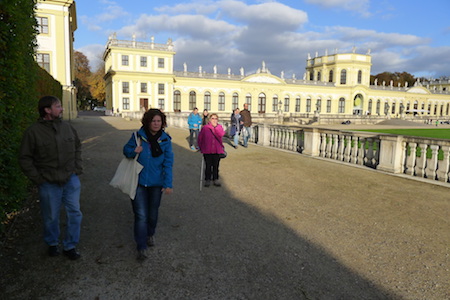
<point x="444" y="165"/>
<point x="312" y="141"/>
<point x="264" y="135"/>
<point x="391" y="156"/>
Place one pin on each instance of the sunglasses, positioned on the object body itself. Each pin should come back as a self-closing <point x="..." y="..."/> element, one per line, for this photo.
<point x="213" y="118"/>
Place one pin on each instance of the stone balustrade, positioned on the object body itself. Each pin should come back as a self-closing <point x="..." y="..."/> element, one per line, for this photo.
<point x="421" y="157"/>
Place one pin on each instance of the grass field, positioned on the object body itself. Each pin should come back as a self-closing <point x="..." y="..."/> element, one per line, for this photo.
<point x="438" y="133"/>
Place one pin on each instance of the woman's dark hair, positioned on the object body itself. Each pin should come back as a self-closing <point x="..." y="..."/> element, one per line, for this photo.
<point x="148" y="118"/>
<point x="46" y="102"/>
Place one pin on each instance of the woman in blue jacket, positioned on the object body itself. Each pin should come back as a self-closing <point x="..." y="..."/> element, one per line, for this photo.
<point x="155" y="154"/>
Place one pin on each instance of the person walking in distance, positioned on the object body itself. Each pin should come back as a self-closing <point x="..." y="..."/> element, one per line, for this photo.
<point x="194" y="121"/>
<point x="205" y="117"/>
<point x="156" y="156"/>
<point x="210" y="144"/>
<point x="246" y="119"/>
<point x="236" y="126"/>
<point x="50" y="156"/>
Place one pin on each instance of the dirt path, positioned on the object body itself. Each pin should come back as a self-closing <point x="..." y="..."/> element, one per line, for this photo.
<point x="283" y="226"/>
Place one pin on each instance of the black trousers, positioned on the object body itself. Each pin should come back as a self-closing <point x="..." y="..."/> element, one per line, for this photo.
<point x="193" y="136"/>
<point x="212" y="166"/>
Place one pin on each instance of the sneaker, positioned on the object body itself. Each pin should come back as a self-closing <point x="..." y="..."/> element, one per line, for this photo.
<point x="142" y="255"/>
<point x="193" y="148"/>
<point x="72" y="254"/>
<point x="217" y="183"/>
<point x="207" y="183"/>
<point x="53" y="251"/>
<point x="151" y="241"/>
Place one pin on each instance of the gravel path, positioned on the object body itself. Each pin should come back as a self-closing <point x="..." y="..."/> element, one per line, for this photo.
<point x="282" y="226"/>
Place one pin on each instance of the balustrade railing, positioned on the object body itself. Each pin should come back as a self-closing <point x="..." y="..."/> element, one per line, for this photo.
<point x="427" y="158"/>
<point x="414" y="156"/>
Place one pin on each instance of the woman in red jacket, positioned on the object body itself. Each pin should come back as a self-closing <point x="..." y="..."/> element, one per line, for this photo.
<point x="210" y="144"/>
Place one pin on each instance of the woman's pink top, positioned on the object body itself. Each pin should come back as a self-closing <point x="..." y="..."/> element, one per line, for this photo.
<point x="210" y="139"/>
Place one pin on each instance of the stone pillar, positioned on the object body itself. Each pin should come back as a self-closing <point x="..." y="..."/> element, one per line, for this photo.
<point x="264" y="135"/>
<point x="312" y="141"/>
<point x="444" y="165"/>
<point x="391" y="156"/>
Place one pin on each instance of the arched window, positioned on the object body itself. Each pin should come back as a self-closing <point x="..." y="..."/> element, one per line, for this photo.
<point x="275" y="103"/>
<point x="378" y="106"/>
<point x="341" y="108"/>
<point x="221" y="101"/>
<point x="248" y="100"/>
<point x="311" y="76"/>
<point x="369" y="107"/>
<point x="286" y="104"/>
<point x="207" y="101"/>
<point x="359" y="77"/>
<point x="192" y="100"/>
<point x="235" y="101"/>
<point x="176" y="101"/>
<point x="416" y="105"/>
<point x="448" y="109"/>
<point x="308" y="104"/>
<point x="393" y="108"/>
<point x="319" y="105"/>
<point x="344" y="76"/>
<point x="319" y="76"/>
<point x="328" y="105"/>
<point x="261" y="103"/>
<point x="330" y="78"/>
<point x="297" y="104"/>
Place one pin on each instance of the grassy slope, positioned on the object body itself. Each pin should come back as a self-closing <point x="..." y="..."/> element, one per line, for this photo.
<point x="431" y="133"/>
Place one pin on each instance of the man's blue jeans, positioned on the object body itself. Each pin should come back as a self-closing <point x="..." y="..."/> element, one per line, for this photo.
<point x="247" y="135"/>
<point x="51" y="197"/>
<point x="145" y="208"/>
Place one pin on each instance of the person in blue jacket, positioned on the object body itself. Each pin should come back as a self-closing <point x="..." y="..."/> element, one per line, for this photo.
<point x="156" y="156"/>
<point x="194" y="121"/>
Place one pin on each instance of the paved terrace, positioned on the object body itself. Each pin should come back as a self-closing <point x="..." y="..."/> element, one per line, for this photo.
<point x="282" y="226"/>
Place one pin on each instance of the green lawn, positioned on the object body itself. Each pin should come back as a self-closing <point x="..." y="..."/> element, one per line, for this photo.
<point x="438" y="133"/>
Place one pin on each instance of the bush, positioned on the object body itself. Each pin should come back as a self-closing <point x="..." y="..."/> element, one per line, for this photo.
<point x="19" y="93"/>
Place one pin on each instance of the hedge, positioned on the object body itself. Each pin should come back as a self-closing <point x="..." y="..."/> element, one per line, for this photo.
<point x="22" y="82"/>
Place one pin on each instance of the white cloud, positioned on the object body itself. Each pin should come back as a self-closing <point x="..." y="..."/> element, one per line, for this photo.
<point x="194" y="26"/>
<point x="265" y="14"/>
<point x="111" y="12"/>
<point x="94" y="53"/>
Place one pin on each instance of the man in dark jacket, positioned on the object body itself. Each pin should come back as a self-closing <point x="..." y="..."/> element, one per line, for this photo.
<point x="50" y="156"/>
<point x="246" y="119"/>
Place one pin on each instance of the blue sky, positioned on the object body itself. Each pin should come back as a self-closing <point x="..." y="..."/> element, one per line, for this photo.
<point x="402" y="35"/>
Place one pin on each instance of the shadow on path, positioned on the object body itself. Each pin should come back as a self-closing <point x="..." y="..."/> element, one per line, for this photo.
<point x="210" y="244"/>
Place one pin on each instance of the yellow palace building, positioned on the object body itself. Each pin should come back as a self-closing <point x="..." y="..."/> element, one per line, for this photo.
<point x="140" y="75"/>
<point x="57" y="22"/>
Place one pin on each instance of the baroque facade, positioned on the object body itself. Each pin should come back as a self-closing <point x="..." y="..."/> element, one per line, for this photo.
<point x="57" y="22"/>
<point x="140" y="75"/>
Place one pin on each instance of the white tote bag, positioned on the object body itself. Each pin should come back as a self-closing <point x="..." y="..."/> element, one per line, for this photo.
<point x="127" y="174"/>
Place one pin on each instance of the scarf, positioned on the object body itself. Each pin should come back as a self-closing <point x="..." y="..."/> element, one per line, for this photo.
<point x="154" y="145"/>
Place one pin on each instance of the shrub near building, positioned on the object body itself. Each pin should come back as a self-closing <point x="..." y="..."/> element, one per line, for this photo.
<point x="19" y="93"/>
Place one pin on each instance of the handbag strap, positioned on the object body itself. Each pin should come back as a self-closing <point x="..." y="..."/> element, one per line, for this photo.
<point x="138" y="143"/>
<point x="217" y="139"/>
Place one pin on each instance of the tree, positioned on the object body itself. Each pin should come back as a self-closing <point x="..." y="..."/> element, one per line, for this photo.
<point x="97" y="84"/>
<point x="82" y="75"/>
<point x="396" y="78"/>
